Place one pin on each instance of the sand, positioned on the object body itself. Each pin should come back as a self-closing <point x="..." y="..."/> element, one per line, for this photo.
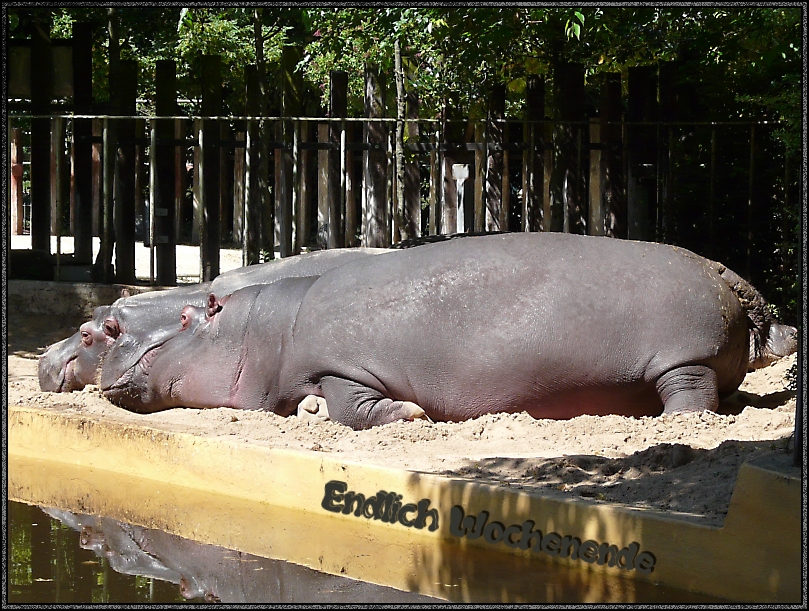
<point x="685" y="464"/>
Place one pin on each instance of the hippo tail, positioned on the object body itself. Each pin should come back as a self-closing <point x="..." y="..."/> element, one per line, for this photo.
<point x="769" y="340"/>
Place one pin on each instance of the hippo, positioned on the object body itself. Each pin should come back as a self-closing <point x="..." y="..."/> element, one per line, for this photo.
<point x="555" y="325"/>
<point x="143" y="319"/>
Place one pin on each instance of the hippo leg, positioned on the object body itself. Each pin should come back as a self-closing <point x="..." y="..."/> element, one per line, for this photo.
<point x="313" y="409"/>
<point x="361" y="407"/>
<point x="691" y="388"/>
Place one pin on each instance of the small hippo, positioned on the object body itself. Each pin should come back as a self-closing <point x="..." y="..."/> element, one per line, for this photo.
<point x="556" y="325"/>
<point x="149" y="318"/>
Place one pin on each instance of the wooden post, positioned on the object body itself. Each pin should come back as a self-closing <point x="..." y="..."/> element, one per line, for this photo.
<point x="291" y="106"/>
<point x="568" y="206"/>
<point x="41" y="89"/>
<point x="17" y="212"/>
<point x="124" y="186"/>
<point x="642" y="149"/>
<point x="595" y="224"/>
<point x="480" y="157"/>
<point x="338" y="98"/>
<point x="97" y="171"/>
<point x="238" y="189"/>
<point x="453" y="134"/>
<point x="109" y="150"/>
<point x="57" y="166"/>
<point x="82" y="145"/>
<point x="254" y="195"/>
<point x="435" y="182"/>
<point x="180" y="172"/>
<point x="225" y="184"/>
<point x="375" y="167"/>
<point x="612" y="167"/>
<point x="209" y="172"/>
<point x="533" y="157"/>
<point x="323" y="187"/>
<point x="496" y="210"/>
<point x="163" y="214"/>
<point x="668" y="113"/>
<point x="412" y="181"/>
<point x="140" y="177"/>
<point x="108" y="158"/>
<point x="306" y="213"/>
<point x="196" y="185"/>
<point x="352" y="213"/>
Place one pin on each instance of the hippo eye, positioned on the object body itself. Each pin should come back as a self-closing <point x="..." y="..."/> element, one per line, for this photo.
<point x="86" y="338"/>
<point x="111" y="328"/>
<point x="185" y="317"/>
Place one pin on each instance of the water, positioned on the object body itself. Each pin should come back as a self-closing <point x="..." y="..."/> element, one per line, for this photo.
<point x="57" y="556"/>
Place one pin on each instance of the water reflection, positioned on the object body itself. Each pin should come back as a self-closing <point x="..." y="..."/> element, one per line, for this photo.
<point x="60" y="556"/>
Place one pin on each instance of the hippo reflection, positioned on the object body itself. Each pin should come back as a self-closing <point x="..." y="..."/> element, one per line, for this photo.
<point x="214" y="573"/>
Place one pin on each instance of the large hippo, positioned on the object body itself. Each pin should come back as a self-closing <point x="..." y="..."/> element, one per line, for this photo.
<point x="556" y="325"/>
<point x="147" y="318"/>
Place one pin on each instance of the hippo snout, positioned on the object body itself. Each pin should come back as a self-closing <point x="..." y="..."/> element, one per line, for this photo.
<point x="783" y="340"/>
<point x="51" y="372"/>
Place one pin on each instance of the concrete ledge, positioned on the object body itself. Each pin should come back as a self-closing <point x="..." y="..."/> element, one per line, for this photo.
<point x="755" y="557"/>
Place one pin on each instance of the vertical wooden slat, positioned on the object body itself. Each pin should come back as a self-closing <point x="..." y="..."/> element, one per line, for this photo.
<point x="533" y="157"/>
<point x="17" y="212"/>
<point x="82" y="147"/>
<point x="238" y="189"/>
<point x="496" y="211"/>
<point x="481" y="158"/>
<point x="375" y="167"/>
<point x="596" y="221"/>
<point x="568" y="207"/>
<point x="435" y="182"/>
<point x="124" y="215"/>
<point x="41" y="90"/>
<point x="338" y="100"/>
<point x="211" y="106"/>
<point x="291" y="106"/>
<point x="642" y="149"/>
<point x="613" y="187"/>
<point x="165" y="158"/>
<point x="323" y="187"/>
<point x="251" y="236"/>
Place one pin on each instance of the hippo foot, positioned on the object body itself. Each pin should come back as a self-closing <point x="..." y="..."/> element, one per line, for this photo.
<point x="692" y="388"/>
<point x="313" y="409"/>
<point x="413" y="412"/>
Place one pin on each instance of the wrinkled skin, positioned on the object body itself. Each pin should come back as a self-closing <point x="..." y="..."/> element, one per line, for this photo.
<point x="145" y="320"/>
<point x="555" y="325"/>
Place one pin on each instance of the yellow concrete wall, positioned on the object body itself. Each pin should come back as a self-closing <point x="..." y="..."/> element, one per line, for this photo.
<point x="755" y="557"/>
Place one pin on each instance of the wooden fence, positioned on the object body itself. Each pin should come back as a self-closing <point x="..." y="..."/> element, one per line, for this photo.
<point x="293" y="182"/>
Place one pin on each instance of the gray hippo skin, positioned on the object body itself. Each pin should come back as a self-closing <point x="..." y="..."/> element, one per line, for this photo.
<point x="146" y="319"/>
<point x="556" y="325"/>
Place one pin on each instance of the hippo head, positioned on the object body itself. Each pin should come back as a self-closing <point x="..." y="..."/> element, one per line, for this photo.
<point x="126" y="366"/>
<point x="73" y="363"/>
<point x="781" y="341"/>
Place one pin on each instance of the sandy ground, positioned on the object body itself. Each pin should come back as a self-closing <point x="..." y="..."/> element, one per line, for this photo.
<point x="685" y="464"/>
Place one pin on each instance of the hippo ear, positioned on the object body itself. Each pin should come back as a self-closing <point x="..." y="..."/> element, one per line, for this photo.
<point x="111" y="327"/>
<point x="125" y="293"/>
<point x="214" y="305"/>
